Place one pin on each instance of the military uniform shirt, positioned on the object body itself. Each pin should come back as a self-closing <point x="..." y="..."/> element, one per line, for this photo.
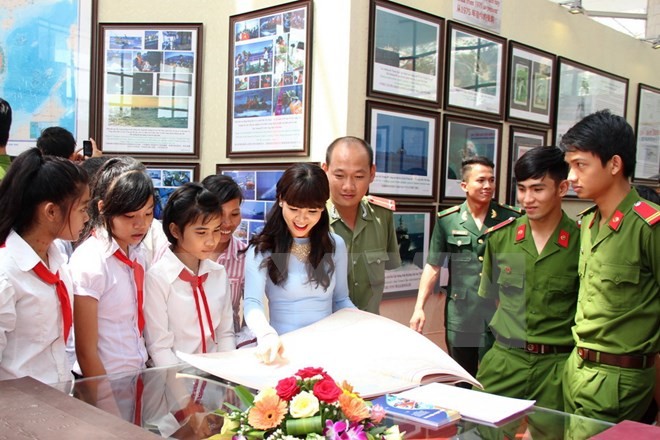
<point x="457" y="237"/>
<point x="372" y="248"/>
<point x="537" y="293"/>
<point x="619" y="302"/>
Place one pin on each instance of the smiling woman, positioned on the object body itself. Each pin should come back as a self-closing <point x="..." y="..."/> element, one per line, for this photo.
<point x="295" y="261"/>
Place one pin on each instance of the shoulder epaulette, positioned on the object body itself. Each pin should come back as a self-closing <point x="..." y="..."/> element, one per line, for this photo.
<point x="500" y="225"/>
<point x="648" y="213"/>
<point x="515" y="209"/>
<point x="382" y="202"/>
<point x="587" y="211"/>
<point x="448" y="211"/>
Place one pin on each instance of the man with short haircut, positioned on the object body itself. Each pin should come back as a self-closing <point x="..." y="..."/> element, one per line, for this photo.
<point x="459" y="237"/>
<point x="365" y="224"/>
<point x="610" y="375"/>
<point x="58" y="141"/>
<point x="5" y="125"/>
<point x="530" y="267"/>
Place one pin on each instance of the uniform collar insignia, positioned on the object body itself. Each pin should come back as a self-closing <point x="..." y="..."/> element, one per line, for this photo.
<point x="464" y="215"/>
<point x="520" y="232"/>
<point x="562" y="240"/>
<point x="615" y="222"/>
<point x="493" y="213"/>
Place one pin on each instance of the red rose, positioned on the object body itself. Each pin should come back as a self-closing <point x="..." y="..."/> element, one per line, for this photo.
<point x="310" y="372"/>
<point x="326" y="390"/>
<point x="287" y="388"/>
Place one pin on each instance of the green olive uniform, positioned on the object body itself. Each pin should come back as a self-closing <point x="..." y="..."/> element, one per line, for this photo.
<point x="610" y="375"/>
<point x="5" y="162"/>
<point x="537" y="299"/>
<point x="372" y="248"/>
<point x="457" y="238"/>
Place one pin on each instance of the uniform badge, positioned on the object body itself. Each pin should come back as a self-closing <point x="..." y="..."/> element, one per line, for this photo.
<point x="464" y="216"/>
<point x="520" y="232"/>
<point x="647" y="212"/>
<point x="457" y="232"/>
<point x="563" y="238"/>
<point x="615" y="223"/>
<point x="493" y="213"/>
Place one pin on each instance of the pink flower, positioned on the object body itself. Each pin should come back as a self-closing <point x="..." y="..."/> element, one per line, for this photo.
<point x="334" y="430"/>
<point x="377" y="414"/>
<point x="355" y="432"/>
<point x="287" y="388"/>
<point x="327" y="390"/>
<point x="310" y="372"/>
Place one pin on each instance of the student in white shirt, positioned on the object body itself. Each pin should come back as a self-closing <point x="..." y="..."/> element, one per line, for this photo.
<point x="108" y="274"/>
<point x="188" y="308"/>
<point x="43" y="198"/>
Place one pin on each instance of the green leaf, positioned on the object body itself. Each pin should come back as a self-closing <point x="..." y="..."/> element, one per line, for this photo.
<point x="304" y="426"/>
<point x="232" y="407"/>
<point x="244" y="395"/>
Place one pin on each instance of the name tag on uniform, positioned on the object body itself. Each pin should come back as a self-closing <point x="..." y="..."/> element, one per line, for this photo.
<point x="455" y="232"/>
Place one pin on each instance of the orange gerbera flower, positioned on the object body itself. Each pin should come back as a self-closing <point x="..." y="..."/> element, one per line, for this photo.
<point x="353" y="408"/>
<point x="267" y="413"/>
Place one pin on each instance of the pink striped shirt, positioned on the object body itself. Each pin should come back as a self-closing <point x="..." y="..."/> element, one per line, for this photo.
<point x="235" y="266"/>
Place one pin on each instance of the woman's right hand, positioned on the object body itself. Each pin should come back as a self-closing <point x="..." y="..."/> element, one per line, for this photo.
<point x="270" y="349"/>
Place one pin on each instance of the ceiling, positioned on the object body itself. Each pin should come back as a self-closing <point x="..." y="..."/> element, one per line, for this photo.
<point x="627" y="16"/>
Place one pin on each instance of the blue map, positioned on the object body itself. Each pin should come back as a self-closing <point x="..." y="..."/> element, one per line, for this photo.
<point x="39" y="50"/>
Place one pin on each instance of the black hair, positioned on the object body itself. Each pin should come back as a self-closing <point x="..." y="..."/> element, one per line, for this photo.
<point x="57" y="141"/>
<point x="5" y="122"/>
<point x="34" y="178"/>
<point x="648" y="193"/>
<point x="131" y="195"/>
<point x="468" y="164"/>
<point x="224" y="187"/>
<point x="93" y="164"/>
<point x="605" y="135"/>
<point x="303" y="185"/>
<point x="541" y="161"/>
<point x="186" y="204"/>
<point x="349" y="140"/>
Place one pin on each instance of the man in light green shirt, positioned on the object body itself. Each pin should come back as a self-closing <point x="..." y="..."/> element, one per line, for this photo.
<point x="366" y="227"/>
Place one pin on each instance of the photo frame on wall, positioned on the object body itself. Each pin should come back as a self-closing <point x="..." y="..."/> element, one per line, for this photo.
<point x="167" y="177"/>
<point x="521" y="140"/>
<point x="257" y="183"/>
<point x="530" y="96"/>
<point x="462" y="139"/>
<point x="475" y="80"/>
<point x="583" y="90"/>
<point x="414" y="225"/>
<point x="406" y="48"/>
<point x="269" y="90"/>
<point x="150" y="82"/>
<point x="405" y="144"/>
<point x="45" y="76"/>
<point x="648" y="135"/>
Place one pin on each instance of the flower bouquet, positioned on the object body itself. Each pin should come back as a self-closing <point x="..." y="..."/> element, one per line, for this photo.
<point x="307" y="405"/>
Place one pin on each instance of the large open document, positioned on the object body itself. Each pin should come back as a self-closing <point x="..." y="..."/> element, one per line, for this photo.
<point x="374" y="354"/>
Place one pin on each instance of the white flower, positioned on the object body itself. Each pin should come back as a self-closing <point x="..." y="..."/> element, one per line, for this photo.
<point x="263" y="393"/>
<point x="304" y="404"/>
<point x="392" y="433"/>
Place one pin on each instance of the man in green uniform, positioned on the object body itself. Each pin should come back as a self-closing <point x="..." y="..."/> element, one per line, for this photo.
<point x="460" y="236"/>
<point x="610" y="375"/>
<point x="5" y="124"/>
<point x="365" y="223"/>
<point x="530" y="266"/>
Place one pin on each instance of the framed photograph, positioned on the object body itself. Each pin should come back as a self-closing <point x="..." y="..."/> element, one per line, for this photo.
<point x="257" y="182"/>
<point x="475" y="82"/>
<point x="531" y="84"/>
<point x="166" y="178"/>
<point x="584" y="90"/>
<point x="405" y="54"/>
<point x="45" y="64"/>
<point x="150" y="82"/>
<point x="414" y="225"/>
<point x="405" y="143"/>
<point x="269" y="90"/>
<point x="462" y="139"/>
<point x="647" y="168"/>
<point x="521" y="140"/>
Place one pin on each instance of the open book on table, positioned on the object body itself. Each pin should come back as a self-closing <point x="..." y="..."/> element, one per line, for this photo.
<point x="374" y="354"/>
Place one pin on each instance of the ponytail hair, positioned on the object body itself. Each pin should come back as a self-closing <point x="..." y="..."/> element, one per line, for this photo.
<point x="32" y="179"/>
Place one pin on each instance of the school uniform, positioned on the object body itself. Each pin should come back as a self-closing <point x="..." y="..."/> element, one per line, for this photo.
<point x="181" y="318"/>
<point x="98" y="273"/>
<point x="32" y="324"/>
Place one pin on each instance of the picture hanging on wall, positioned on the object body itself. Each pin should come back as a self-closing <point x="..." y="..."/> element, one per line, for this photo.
<point x="583" y="90"/>
<point x="150" y="78"/>
<point x="530" y="85"/>
<point x="258" y="184"/>
<point x="521" y="140"/>
<point x="413" y="224"/>
<point x="167" y="177"/>
<point x="405" y="54"/>
<point x="647" y="168"/>
<point x="475" y="81"/>
<point x="46" y="78"/>
<point x="405" y="150"/>
<point x="464" y="138"/>
<point x="269" y="90"/>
